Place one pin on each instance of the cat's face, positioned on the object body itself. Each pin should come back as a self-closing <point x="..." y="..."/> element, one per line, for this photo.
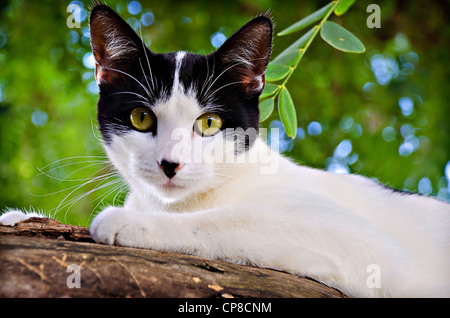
<point x="170" y="122"/>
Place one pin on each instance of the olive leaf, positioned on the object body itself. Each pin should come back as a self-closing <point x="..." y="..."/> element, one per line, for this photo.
<point x="343" y="7"/>
<point x="340" y="38"/>
<point x="281" y="68"/>
<point x="287" y="112"/>
<point x="310" y="19"/>
<point x="269" y="90"/>
<point x="290" y="55"/>
<point x="276" y="72"/>
<point x="266" y="108"/>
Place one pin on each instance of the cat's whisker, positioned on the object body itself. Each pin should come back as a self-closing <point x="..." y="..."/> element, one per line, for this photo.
<point x="122" y="188"/>
<point x="72" y="187"/>
<point x="132" y="77"/>
<point x="148" y="62"/>
<point x="95" y="132"/>
<point x="223" y="86"/>
<point x="207" y="94"/>
<point x="145" y="103"/>
<point x="205" y="97"/>
<point x="46" y="173"/>
<point x="208" y="77"/>
<point x="127" y="92"/>
<point x="75" y="157"/>
<point x="119" y="188"/>
<point x="151" y="89"/>
<point x="102" y="177"/>
<point x="70" y="203"/>
<point x="55" y="192"/>
<point x="109" y="117"/>
<point x="90" y="176"/>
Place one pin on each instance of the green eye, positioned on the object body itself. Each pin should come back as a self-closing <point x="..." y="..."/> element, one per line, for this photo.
<point x="142" y="119"/>
<point x="208" y="124"/>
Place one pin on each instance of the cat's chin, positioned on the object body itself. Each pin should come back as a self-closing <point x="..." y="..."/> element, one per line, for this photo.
<point x="170" y="193"/>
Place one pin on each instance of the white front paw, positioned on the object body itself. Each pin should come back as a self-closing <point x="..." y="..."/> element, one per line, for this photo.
<point x="118" y="226"/>
<point x="11" y="217"/>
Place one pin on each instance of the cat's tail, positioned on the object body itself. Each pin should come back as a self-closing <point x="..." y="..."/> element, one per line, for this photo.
<point x="12" y="216"/>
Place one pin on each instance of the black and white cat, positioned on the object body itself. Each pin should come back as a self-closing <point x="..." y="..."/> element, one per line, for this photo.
<point x="182" y="131"/>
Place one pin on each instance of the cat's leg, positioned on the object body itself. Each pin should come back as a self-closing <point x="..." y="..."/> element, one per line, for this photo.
<point x="160" y="230"/>
<point x="244" y="235"/>
<point x="13" y="216"/>
<point x="262" y="237"/>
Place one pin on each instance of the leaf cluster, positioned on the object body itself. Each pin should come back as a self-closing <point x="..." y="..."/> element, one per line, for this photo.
<point x="283" y="66"/>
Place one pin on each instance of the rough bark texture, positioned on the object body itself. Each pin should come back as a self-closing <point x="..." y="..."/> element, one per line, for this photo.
<point x="35" y="256"/>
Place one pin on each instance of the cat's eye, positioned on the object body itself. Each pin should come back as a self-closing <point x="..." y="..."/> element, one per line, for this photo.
<point x="208" y="124"/>
<point x="142" y="119"/>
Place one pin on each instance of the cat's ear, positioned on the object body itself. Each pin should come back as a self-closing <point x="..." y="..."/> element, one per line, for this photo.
<point x="246" y="53"/>
<point x="115" y="45"/>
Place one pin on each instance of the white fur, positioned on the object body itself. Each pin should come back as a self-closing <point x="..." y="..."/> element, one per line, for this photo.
<point x="117" y="45"/>
<point x="13" y="216"/>
<point x="309" y="222"/>
<point x="327" y="226"/>
<point x="178" y="60"/>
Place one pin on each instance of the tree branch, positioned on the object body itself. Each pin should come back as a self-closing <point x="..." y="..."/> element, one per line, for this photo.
<point x="36" y="254"/>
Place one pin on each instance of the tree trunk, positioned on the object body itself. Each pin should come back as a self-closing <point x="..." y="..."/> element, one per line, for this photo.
<point x="43" y="258"/>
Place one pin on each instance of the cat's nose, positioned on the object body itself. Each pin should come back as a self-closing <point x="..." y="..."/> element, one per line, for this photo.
<point x="170" y="168"/>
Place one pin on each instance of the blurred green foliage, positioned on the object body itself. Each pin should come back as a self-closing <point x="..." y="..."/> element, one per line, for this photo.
<point x="383" y="114"/>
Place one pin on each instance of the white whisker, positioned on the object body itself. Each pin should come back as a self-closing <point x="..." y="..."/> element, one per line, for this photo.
<point x="127" y="92"/>
<point x="132" y="77"/>
<point x="95" y="132"/>
<point x="78" y="198"/>
<point x="148" y="62"/>
<point x="223" y="86"/>
<point x="207" y="95"/>
<point x="75" y="157"/>
<point x="77" y="188"/>
<point x="119" y="188"/>
<point x="46" y="173"/>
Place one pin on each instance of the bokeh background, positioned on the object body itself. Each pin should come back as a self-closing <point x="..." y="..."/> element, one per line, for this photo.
<point x="384" y="114"/>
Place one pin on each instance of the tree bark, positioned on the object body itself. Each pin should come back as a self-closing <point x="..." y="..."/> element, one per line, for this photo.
<point x="43" y="258"/>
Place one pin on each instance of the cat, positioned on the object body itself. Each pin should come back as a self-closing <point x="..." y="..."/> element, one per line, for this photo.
<point x="155" y="109"/>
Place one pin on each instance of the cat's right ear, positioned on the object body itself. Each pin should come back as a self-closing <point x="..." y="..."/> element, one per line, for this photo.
<point x="247" y="53"/>
<point x="115" y="45"/>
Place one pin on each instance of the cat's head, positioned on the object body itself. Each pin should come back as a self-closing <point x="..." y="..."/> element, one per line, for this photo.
<point x="159" y="112"/>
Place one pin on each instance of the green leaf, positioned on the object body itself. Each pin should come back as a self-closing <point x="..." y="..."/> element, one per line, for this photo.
<point x="287" y="112"/>
<point x="276" y="72"/>
<point x="269" y="90"/>
<point x="340" y="38"/>
<point x="291" y="55"/>
<point x="287" y="57"/>
<point x="266" y="108"/>
<point x="343" y="7"/>
<point x="310" y="19"/>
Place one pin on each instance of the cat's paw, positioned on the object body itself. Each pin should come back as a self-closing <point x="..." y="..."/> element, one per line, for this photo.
<point x="13" y="216"/>
<point x="118" y="226"/>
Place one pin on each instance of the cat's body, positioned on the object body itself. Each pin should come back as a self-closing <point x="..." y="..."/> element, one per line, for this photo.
<point x="330" y="227"/>
<point x="346" y="231"/>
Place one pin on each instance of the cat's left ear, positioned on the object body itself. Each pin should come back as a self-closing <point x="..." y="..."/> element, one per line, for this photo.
<point x="246" y="53"/>
<point x="115" y="45"/>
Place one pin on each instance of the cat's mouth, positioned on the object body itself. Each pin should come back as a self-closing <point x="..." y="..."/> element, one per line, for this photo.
<point x="169" y="185"/>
